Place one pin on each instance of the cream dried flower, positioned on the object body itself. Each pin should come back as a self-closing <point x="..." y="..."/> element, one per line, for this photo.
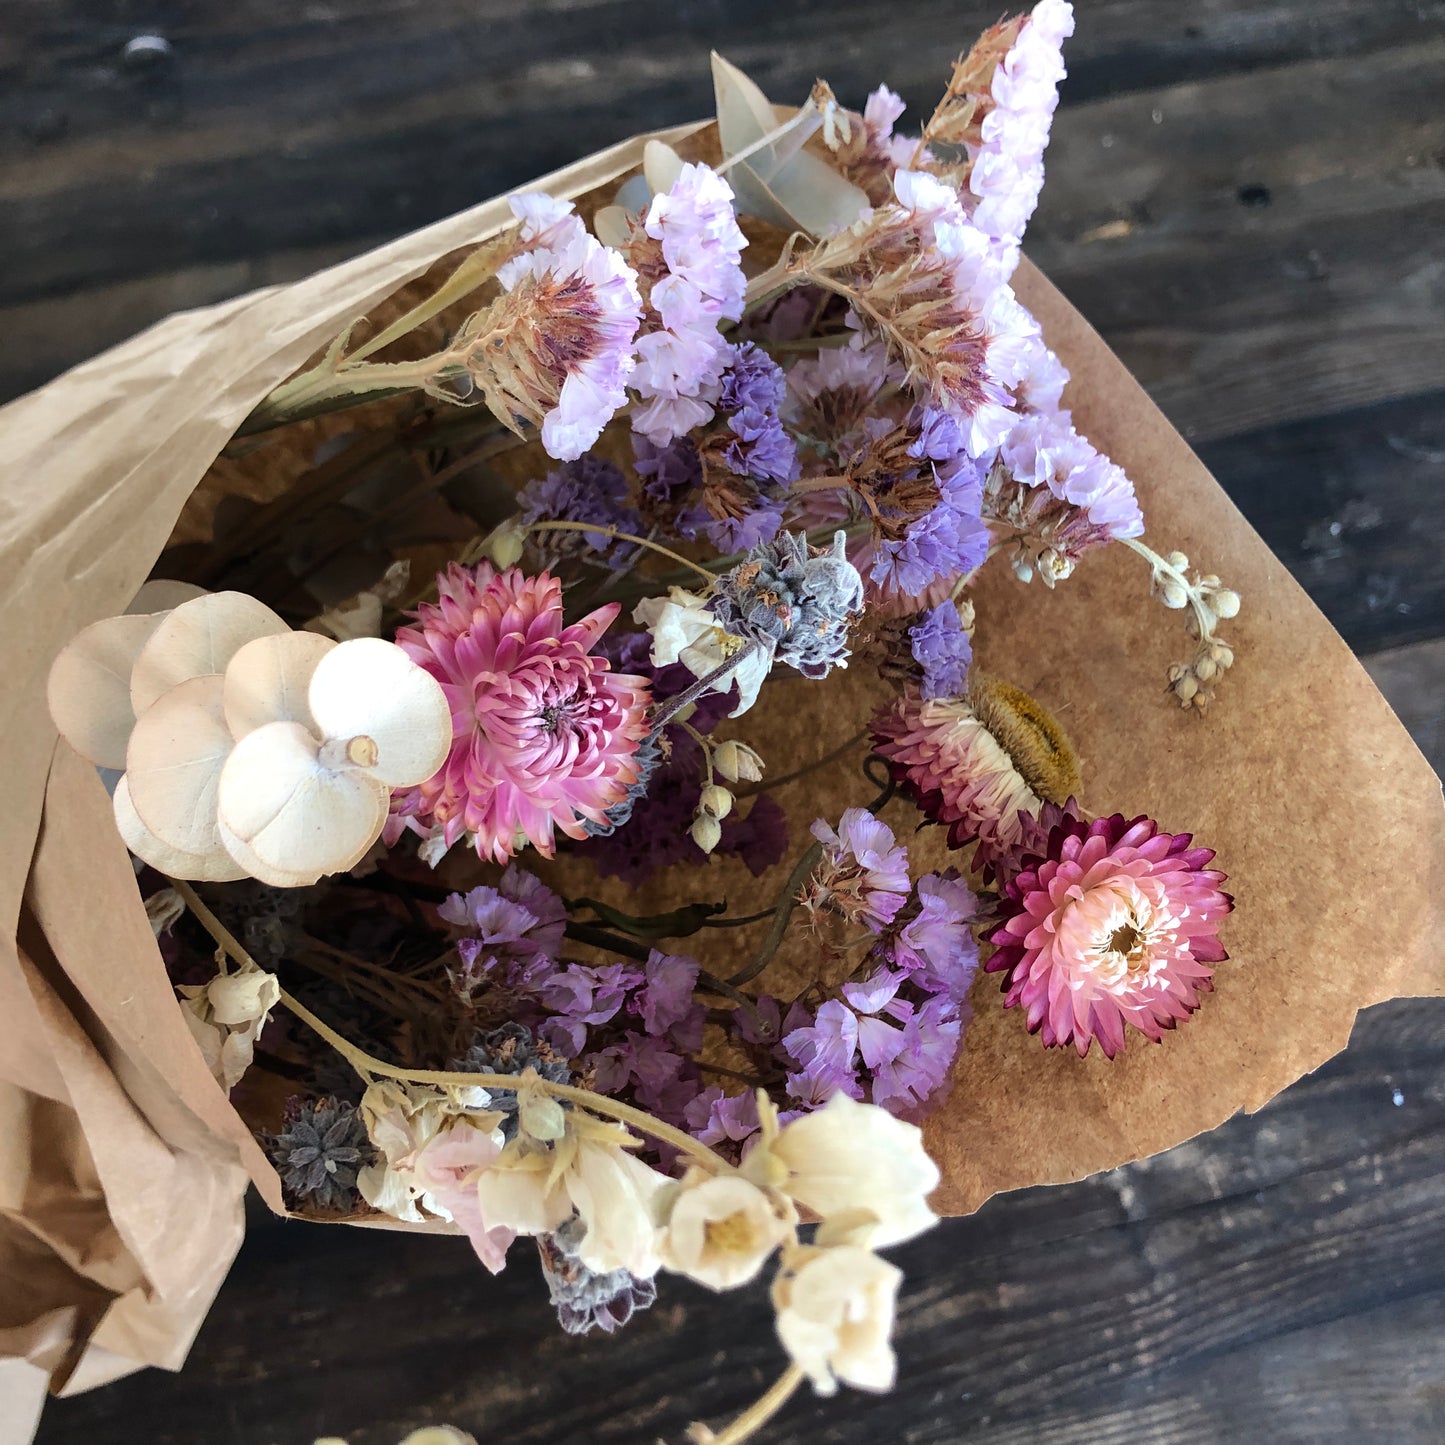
<point x="851" y="1159"/>
<point x="835" y="1316"/>
<point x="226" y="1016"/>
<point x="684" y="630"/>
<point x="720" y="1230"/>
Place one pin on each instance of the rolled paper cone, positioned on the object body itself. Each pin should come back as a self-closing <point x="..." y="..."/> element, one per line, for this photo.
<point x="1323" y="813"/>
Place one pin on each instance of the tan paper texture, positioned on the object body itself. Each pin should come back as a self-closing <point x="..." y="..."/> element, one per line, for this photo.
<point x="121" y="1163"/>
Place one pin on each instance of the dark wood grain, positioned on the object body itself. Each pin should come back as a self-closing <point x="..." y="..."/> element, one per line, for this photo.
<point x="1247" y="197"/>
<point x="1282" y="1279"/>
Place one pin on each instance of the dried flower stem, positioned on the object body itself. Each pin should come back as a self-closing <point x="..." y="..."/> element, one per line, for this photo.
<point x="1161" y="566"/>
<point x="769" y="785"/>
<point x="759" y="1412"/>
<point x="621" y="537"/>
<point x="782" y="915"/>
<point x="666" y="711"/>
<point x="369" y="1067"/>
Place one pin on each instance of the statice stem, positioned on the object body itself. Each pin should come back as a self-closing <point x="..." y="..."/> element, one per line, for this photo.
<point x="622" y="537"/>
<point x="759" y="1412"/>
<point x="369" y="1068"/>
<point x="782" y="913"/>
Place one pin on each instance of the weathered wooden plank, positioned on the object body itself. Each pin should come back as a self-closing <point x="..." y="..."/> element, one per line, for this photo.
<point x="1260" y="249"/>
<point x="1279" y="1279"/>
<point x="1354" y="505"/>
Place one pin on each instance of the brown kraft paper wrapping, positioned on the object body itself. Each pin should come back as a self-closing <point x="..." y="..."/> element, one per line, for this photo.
<point x="121" y="1163"/>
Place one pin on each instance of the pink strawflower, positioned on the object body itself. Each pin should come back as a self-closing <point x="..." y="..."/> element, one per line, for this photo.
<point x="686" y="252"/>
<point x="945" y="758"/>
<point x="545" y="736"/>
<point x="555" y="350"/>
<point x="1106" y="924"/>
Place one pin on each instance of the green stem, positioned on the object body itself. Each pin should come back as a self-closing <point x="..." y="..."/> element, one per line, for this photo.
<point x="782" y="915"/>
<point x="622" y="537"/>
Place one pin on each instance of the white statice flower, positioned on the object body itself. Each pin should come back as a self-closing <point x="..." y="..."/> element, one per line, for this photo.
<point x="835" y="1310"/>
<point x="853" y="1160"/>
<point x="684" y="630"/>
<point x="226" y="1016"/>
<point x="721" y="1229"/>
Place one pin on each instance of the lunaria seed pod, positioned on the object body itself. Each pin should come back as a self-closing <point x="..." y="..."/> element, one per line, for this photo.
<point x="198" y="639"/>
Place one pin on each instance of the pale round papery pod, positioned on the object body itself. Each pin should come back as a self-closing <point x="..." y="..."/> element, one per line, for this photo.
<point x="89" y="686"/>
<point x="370" y="691"/>
<point x="161" y="594"/>
<point x="198" y="639"/>
<point x="214" y="867"/>
<point x="292" y="809"/>
<point x="267" y="680"/>
<point x="173" y="764"/>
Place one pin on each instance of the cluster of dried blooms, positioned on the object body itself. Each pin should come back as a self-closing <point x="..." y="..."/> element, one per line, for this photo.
<point x="756" y="457"/>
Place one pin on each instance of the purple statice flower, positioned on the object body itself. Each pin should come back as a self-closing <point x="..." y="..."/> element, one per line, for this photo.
<point x="825" y="1053"/>
<point x="517" y="925"/>
<point x="1042" y="378"/>
<point x="650" y="1071"/>
<point x="943" y="650"/>
<point x="730" y="510"/>
<point x="687" y="254"/>
<point x="932" y="942"/>
<point x="665" y="998"/>
<point x="863" y="874"/>
<point x="830" y="395"/>
<point x="759" y="838"/>
<point x="949" y="539"/>
<point x="578" y="997"/>
<point x="588" y="490"/>
<point x="716" y="1118"/>
<point x="922" y="1063"/>
<point x="753" y="388"/>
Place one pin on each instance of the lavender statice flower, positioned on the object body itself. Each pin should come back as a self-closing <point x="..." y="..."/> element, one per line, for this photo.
<point x="797" y="607"/>
<point x="831" y="394"/>
<point x="863" y="874"/>
<point x="579" y="997"/>
<point x="585" y="1300"/>
<point x="517" y="927"/>
<point x="943" y="650"/>
<point x="753" y="388"/>
<point x="872" y="152"/>
<point x="319" y="1152"/>
<point x="555" y="350"/>
<point x="686" y="252"/>
<point x="932" y="940"/>
<point x="723" y="1121"/>
<point x="1011" y="125"/>
<point x="588" y="490"/>
<point x="698" y="495"/>
<point x="1053" y="497"/>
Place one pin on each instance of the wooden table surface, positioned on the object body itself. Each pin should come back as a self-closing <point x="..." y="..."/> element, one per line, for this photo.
<point x="1247" y="197"/>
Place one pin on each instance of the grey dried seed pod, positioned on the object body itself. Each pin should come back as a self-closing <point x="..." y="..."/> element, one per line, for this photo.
<point x="798" y="607"/>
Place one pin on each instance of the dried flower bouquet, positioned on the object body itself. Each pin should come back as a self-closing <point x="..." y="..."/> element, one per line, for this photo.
<point x="505" y="624"/>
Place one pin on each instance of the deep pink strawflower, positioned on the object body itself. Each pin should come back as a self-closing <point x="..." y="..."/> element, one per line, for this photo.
<point x="1106" y="925"/>
<point x="544" y="735"/>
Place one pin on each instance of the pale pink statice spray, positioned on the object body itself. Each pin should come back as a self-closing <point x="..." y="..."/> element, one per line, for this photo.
<point x="545" y="735"/>
<point x="863" y="874"/>
<point x="686" y="251"/>
<point x="556" y="348"/>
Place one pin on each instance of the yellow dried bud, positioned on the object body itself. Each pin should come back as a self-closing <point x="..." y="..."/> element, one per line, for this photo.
<point x="715" y="801"/>
<point x="706" y="831"/>
<point x="737" y="762"/>
<point x="1225" y="603"/>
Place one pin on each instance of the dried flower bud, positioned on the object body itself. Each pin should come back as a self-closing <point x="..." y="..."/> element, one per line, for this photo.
<point x="1222" y="654"/>
<point x="706" y="831"/>
<point x="1206" y="669"/>
<point x="737" y="762"/>
<point x="1171" y="594"/>
<point x="504" y="543"/>
<point x="715" y="801"/>
<point x="1185" y="687"/>
<point x="1177" y="560"/>
<point x="1225" y="603"/>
